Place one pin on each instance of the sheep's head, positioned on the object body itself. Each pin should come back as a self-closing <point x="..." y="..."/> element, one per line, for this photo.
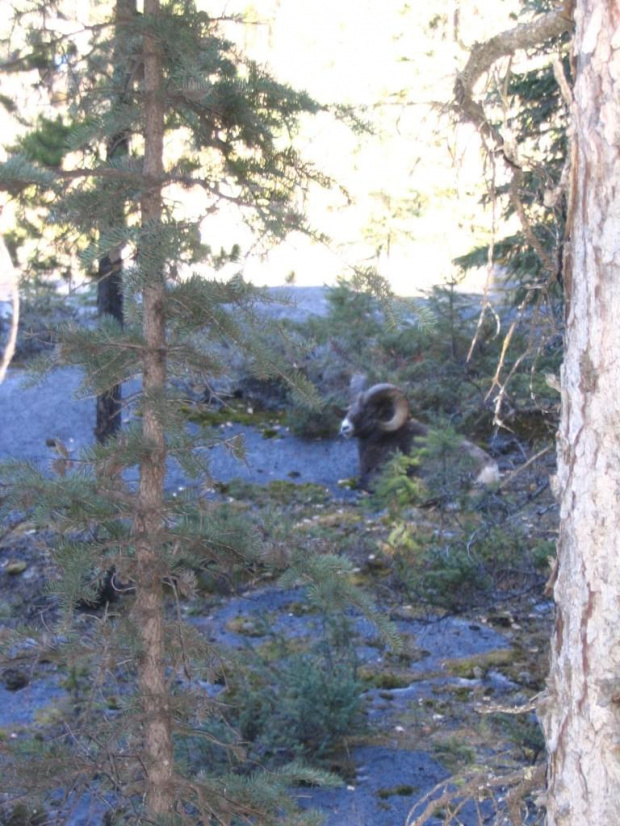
<point x="382" y="408"/>
<point x="380" y="419"/>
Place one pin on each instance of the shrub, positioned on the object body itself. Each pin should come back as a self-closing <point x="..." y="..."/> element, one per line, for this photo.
<point x="305" y="708"/>
<point x="457" y="552"/>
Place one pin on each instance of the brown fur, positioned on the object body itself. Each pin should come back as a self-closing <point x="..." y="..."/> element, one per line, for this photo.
<point x="379" y="418"/>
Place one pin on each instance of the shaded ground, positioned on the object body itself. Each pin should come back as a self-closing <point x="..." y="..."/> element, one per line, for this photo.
<point x="426" y="713"/>
<point x="32" y="415"/>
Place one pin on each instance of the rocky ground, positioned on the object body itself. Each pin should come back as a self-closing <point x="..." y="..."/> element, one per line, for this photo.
<point x="428" y="713"/>
<point x="443" y="706"/>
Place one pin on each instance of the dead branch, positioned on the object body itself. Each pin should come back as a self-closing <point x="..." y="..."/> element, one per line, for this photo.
<point x="511" y="477"/>
<point x="450" y="798"/>
<point x="526" y="225"/>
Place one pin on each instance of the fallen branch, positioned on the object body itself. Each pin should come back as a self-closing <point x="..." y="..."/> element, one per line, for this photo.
<point x="475" y="788"/>
<point x="511" y="477"/>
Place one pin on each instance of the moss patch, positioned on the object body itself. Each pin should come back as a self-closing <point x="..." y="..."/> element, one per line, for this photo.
<point x="247" y="626"/>
<point x="385" y="680"/>
<point x="476" y="666"/>
<point x="233" y="413"/>
<point x="277" y="649"/>
<point x="278" y="492"/>
<point x="454" y="753"/>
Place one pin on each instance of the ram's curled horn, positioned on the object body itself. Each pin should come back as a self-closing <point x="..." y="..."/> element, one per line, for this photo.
<point x="401" y="406"/>
<point x="380" y="419"/>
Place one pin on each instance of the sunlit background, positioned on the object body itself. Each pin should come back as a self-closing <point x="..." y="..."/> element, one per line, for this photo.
<point x="406" y="198"/>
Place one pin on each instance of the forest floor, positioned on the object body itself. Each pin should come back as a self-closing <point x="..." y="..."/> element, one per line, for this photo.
<point x="441" y="708"/>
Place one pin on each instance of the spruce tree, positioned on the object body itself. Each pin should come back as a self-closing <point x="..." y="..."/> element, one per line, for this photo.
<point x="148" y="524"/>
<point x="231" y="126"/>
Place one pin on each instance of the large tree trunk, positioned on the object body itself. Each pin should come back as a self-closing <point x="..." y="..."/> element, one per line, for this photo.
<point x="149" y="609"/>
<point x="582" y="714"/>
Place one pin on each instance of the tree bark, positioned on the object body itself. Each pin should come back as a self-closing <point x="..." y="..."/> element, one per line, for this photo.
<point x="581" y="716"/>
<point x="109" y="302"/>
<point x="149" y="609"/>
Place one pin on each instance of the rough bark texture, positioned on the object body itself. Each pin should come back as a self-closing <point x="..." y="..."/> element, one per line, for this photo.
<point x="149" y="609"/>
<point x="582" y="714"/>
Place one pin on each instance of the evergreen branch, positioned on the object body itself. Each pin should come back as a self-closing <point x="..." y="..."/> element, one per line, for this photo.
<point x="18" y="172"/>
<point x="327" y="579"/>
<point x="24" y="61"/>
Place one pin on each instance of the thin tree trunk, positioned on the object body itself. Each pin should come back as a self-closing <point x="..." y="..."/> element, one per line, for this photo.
<point x="582" y="714"/>
<point x="110" y="277"/>
<point x="158" y="752"/>
<point x="11" y="342"/>
<point x="109" y="302"/>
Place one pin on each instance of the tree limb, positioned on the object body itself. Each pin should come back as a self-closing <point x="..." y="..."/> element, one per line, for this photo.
<point x="484" y="55"/>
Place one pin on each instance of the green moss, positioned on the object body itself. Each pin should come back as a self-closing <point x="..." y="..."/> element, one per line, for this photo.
<point x="276" y="649"/>
<point x="408" y="655"/>
<point x="343" y="520"/>
<point x="272" y="433"/>
<point x="377" y="564"/>
<point x="403" y="790"/>
<point x="290" y="492"/>
<point x="386" y="680"/>
<point x="235" y="413"/>
<point x="300" y="609"/>
<point x="52" y="715"/>
<point x="349" y="484"/>
<point x="247" y="626"/>
<point x="462" y="694"/>
<point x="453" y="753"/>
<point x="24" y="815"/>
<point x="476" y="666"/>
<point x="278" y="492"/>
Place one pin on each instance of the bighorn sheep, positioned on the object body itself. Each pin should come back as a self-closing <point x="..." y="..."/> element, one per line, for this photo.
<point x="381" y="421"/>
